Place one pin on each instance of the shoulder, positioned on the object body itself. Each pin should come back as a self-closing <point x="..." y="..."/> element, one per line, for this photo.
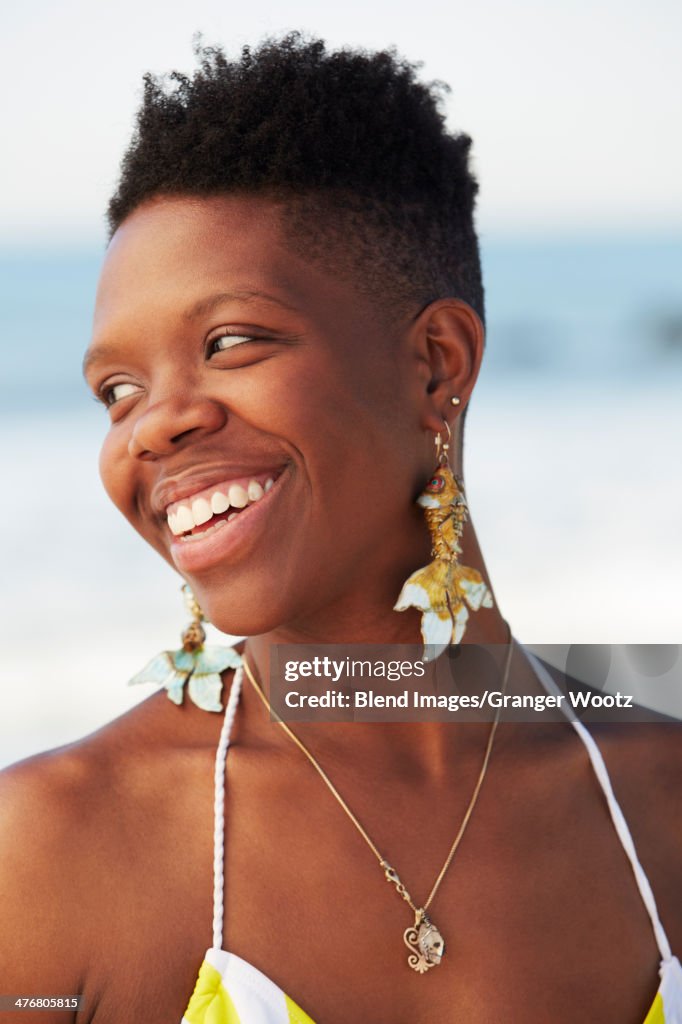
<point x="643" y="756"/>
<point x="72" y="816"/>
<point x="47" y="796"/>
<point x="58" y="797"/>
<point x="40" y="882"/>
<point x="644" y="761"/>
<point x="49" y="806"/>
<point x="41" y="804"/>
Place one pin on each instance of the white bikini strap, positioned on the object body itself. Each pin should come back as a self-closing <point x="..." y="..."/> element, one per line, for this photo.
<point x="617" y="816"/>
<point x="219" y="808"/>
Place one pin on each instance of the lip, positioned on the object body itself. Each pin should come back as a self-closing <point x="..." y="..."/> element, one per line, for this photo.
<point x="235" y="537"/>
<point x="177" y="488"/>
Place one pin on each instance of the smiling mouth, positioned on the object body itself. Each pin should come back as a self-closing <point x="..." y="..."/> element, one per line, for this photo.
<point x="211" y="509"/>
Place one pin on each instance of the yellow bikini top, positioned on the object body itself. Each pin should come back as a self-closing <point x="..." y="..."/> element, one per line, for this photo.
<point x="229" y="990"/>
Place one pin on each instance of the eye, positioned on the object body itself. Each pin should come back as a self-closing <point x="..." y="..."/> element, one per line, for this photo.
<point x="225" y="341"/>
<point x="112" y="393"/>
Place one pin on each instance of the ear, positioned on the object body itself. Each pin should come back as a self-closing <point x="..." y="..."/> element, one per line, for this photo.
<point x="448" y="341"/>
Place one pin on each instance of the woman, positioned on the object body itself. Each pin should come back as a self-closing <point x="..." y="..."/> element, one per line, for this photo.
<point x="288" y="330"/>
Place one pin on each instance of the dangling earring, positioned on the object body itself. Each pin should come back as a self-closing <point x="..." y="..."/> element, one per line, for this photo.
<point x="194" y="662"/>
<point x="443" y="589"/>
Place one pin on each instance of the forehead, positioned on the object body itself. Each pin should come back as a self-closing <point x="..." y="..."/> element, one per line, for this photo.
<point x="169" y="248"/>
<point x="172" y="251"/>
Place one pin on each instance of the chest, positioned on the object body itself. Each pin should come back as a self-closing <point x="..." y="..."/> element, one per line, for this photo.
<point x="539" y="910"/>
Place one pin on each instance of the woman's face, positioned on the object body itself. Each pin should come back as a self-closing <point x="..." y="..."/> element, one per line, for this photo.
<point x="227" y="361"/>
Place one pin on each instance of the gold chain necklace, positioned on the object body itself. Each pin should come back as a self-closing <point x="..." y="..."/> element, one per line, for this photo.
<point x="423" y="939"/>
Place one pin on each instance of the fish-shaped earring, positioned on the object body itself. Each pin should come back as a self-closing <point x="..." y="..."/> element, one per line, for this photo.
<point x="442" y="589"/>
<point x="195" y="665"/>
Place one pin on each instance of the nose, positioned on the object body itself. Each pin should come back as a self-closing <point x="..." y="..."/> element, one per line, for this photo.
<point x="166" y="425"/>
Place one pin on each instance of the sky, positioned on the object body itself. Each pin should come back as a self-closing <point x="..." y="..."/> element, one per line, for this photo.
<point x="574" y="108"/>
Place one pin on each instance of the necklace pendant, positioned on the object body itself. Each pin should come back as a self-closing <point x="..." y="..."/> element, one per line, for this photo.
<point x="425" y="942"/>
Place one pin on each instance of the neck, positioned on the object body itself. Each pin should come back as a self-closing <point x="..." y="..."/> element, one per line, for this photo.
<point x="366" y="616"/>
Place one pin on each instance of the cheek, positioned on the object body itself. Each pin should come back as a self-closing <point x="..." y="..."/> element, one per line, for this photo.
<point x="327" y="405"/>
<point x="118" y="474"/>
<point x="348" y="431"/>
<point x="115" y="472"/>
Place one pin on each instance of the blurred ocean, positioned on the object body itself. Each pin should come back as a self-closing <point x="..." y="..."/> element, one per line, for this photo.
<point x="572" y="466"/>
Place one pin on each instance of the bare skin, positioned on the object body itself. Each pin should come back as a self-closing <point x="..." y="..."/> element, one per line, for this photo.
<point x="107" y="888"/>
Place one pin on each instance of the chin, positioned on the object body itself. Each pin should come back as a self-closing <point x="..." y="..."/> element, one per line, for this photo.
<point x="241" y="623"/>
<point x="248" y="608"/>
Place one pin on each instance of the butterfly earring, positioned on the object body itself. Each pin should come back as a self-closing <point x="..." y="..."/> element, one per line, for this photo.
<point x="193" y="664"/>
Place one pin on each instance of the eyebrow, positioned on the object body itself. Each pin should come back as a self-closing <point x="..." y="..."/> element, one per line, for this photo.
<point x="97" y="354"/>
<point x="104" y="351"/>
<point x="207" y="305"/>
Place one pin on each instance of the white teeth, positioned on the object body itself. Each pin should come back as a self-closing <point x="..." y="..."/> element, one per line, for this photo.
<point x="219" y="503"/>
<point x="186" y="517"/>
<point x="211" y="529"/>
<point x="232" y="515"/>
<point x="238" y="496"/>
<point x="184" y="520"/>
<point x="201" y="511"/>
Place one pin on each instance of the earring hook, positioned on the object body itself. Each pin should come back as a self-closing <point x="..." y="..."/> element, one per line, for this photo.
<point x="443" y="447"/>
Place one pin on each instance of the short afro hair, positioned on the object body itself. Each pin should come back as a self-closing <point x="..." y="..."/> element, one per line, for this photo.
<point x="350" y="143"/>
